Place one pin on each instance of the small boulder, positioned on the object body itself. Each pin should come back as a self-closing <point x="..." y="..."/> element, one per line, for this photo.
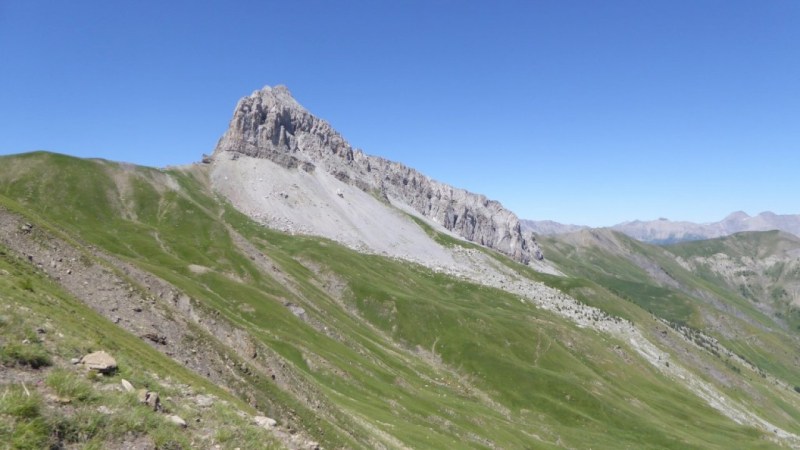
<point x="158" y="339"/>
<point x="265" y="422"/>
<point x="149" y="398"/>
<point x="59" y="399"/>
<point x="126" y="385"/>
<point x="152" y="400"/>
<point x="204" y="401"/>
<point x="296" y="310"/>
<point x="177" y="421"/>
<point x="99" y="361"/>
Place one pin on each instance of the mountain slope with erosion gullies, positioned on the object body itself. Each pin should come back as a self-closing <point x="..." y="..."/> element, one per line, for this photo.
<point x="352" y="350"/>
<point x="762" y="267"/>
<point x="731" y="296"/>
<point x="327" y="188"/>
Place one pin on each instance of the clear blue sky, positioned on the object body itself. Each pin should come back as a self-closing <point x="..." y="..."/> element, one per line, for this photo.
<point x="590" y="112"/>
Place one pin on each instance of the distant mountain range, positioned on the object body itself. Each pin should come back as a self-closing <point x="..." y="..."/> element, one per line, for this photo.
<point x="664" y="231"/>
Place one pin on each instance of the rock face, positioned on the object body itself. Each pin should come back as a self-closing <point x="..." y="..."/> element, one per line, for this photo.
<point x="270" y="124"/>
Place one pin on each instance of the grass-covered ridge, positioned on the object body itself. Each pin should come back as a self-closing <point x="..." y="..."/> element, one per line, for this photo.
<point x="390" y="353"/>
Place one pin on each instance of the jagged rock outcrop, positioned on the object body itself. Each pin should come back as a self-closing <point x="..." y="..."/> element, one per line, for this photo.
<point x="270" y="124"/>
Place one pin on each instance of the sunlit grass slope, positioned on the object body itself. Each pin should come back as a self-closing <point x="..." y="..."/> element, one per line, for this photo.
<point x="656" y="280"/>
<point x="392" y="354"/>
<point x="46" y="402"/>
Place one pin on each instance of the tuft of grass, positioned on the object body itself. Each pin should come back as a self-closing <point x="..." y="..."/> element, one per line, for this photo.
<point x="19" y="402"/>
<point x="20" y="354"/>
<point x="82" y="426"/>
<point x="19" y="344"/>
<point x="26" y="284"/>
<point x="67" y="384"/>
<point x="29" y="434"/>
<point x="167" y="438"/>
<point x="235" y="432"/>
<point x="22" y="425"/>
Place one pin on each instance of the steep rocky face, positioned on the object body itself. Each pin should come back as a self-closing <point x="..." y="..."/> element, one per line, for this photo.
<point x="270" y="124"/>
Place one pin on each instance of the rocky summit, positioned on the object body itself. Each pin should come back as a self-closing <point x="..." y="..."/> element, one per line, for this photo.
<point x="270" y="124"/>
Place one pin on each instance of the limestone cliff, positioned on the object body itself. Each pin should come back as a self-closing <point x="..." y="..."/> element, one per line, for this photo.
<point x="270" y="124"/>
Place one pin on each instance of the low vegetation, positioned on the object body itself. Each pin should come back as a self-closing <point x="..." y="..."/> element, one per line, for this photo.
<point x="357" y="351"/>
<point x="48" y="402"/>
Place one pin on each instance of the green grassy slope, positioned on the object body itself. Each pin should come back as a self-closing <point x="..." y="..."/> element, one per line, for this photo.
<point x="656" y="279"/>
<point x="45" y="401"/>
<point x="756" y="271"/>
<point x="761" y="267"/>
<point x="393" y="354"/>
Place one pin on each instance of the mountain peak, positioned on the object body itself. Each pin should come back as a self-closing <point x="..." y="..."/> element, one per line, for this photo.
<point x="277" y="95"/>
<point x="280" y="88"/>
<point x="737" y="215"/>
<point x="269" y="124"/>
